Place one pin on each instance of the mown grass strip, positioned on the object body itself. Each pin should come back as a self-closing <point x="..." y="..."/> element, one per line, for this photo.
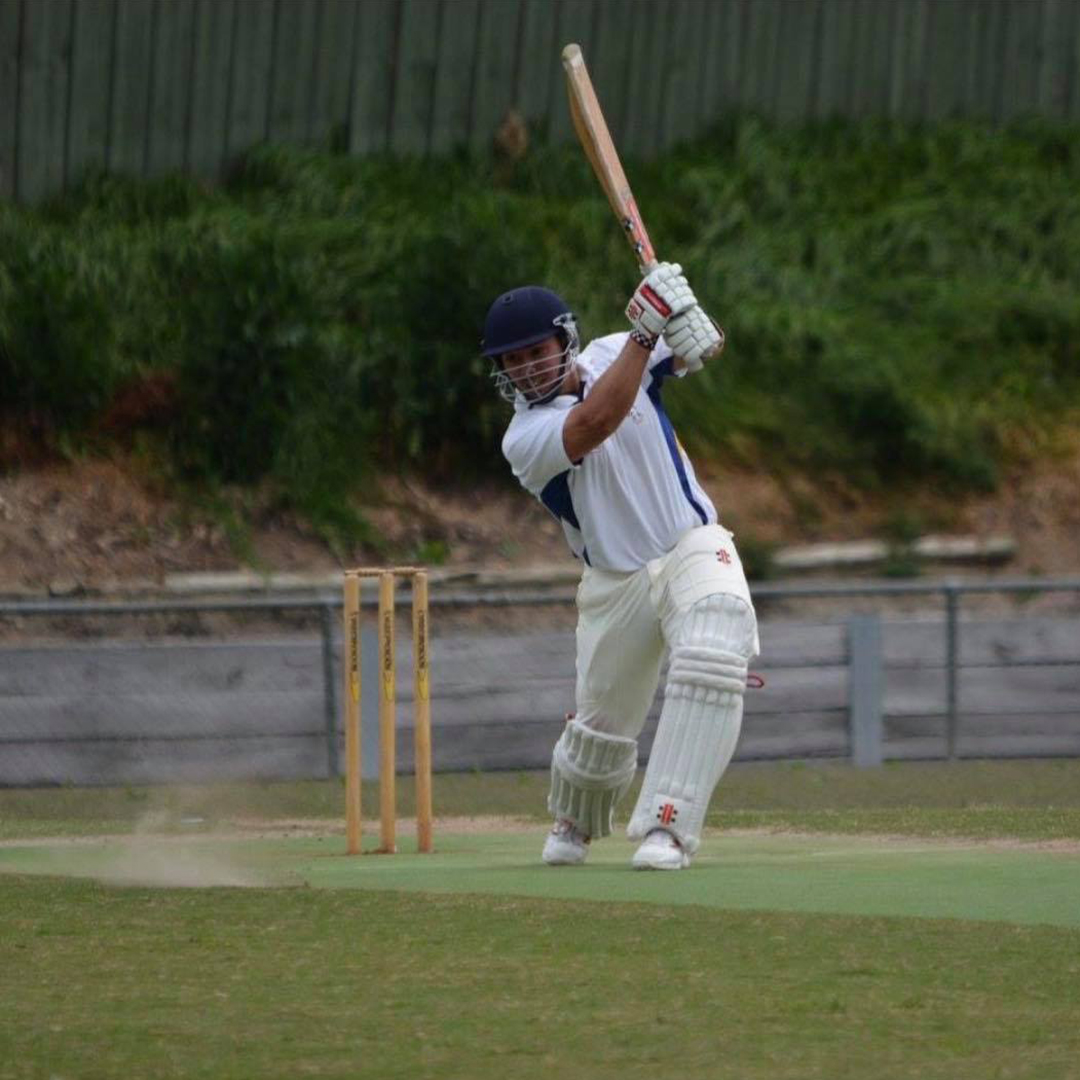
<point x="230" y="983"/>
<point x="1025" y="799"/>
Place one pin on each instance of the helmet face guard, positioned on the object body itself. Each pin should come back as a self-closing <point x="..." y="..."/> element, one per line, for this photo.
<point x="524" y="317"/>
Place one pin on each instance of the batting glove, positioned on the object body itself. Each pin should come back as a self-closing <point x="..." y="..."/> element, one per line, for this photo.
<point x="662" y="294"/>
<point x="693" y="337"/>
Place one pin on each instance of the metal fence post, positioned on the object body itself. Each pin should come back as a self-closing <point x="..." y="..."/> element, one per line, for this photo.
<point x="952" y="633"/>
<point x="865" y="690"/>
<point x="326" y="623"/>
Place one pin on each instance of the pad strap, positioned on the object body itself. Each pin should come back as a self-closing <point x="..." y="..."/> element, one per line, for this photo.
<point x="698" y="666"/>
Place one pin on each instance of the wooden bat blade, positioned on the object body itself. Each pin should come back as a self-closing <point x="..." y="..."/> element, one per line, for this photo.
<point x="592" y="130"/>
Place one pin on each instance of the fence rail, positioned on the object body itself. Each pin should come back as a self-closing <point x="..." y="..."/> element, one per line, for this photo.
<point x="151" y="86"/>
<point x="857" y="686"/>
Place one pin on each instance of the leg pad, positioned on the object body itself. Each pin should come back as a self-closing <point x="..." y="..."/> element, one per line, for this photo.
<point x="590" y="772"/>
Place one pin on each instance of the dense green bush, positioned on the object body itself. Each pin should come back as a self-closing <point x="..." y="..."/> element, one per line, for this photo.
<point x="58" y="357"/>
<point x="901" y="302"/>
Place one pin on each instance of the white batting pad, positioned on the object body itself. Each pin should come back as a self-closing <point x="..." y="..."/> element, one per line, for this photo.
<point x="590" y="772"/>
<point x="700" y="721"/>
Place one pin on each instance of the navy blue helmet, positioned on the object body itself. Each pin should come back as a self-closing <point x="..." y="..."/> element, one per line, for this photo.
<point x="522" y="317"/>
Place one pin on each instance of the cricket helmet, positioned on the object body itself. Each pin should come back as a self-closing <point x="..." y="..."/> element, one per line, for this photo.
<point x="523" y="317"/>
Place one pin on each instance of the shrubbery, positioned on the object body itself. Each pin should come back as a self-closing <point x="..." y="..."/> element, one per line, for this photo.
<point x="900" y="302"/>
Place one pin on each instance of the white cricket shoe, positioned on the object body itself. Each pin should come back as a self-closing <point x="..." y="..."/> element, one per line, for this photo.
<point x="660" y="851"/>
<point x="566" y="845"/>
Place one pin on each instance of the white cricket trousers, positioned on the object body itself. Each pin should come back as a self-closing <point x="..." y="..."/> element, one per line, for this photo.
<point x="627" y="621"/>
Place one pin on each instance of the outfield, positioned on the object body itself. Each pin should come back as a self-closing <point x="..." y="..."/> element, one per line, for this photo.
<point x="914" y="920"/>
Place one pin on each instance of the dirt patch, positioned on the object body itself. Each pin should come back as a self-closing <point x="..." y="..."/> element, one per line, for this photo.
<point x="66" y="525"/>
<point x="239" y="829"/>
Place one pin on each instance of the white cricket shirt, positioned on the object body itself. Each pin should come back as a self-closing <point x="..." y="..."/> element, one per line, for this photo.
<point x="629" y="500"/>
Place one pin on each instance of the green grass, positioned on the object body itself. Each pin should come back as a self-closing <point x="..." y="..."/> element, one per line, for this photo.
<point x="109" y="982"/>
<point x="970" y="798"/>
<point x="315" y="319"/>
<point x="782" y="953"/>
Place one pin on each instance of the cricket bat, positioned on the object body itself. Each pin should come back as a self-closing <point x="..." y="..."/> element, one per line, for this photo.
<point x="595" y="138"/>
<point x="593" y="132"/>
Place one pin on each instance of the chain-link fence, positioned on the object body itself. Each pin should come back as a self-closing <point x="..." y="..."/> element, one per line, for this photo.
<point x="194" y="690"/>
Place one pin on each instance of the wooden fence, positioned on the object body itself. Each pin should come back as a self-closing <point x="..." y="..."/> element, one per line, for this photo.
<point x="149" y="86"/>
<point x="133" y="712"/>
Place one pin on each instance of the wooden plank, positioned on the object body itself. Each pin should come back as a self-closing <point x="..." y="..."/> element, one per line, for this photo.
<point x="1021" y="690"/>
<point x="451" y="108"/>
<point x="761" y="75"/>
<point x="710" y="61"/>
<point x="249" y="77"/>
<point x="680" y="74"/>
<point x="989" y="641"/>
<point x="10" y="36"/>
<point x="574" y="19"/>
<point x="172" y="669"/>
<point x="129" y="114"/>
<point x="880" y="49"/>
<point x="796" y="644"/>
<point x="540" y="77"/>
<point x="412" y="118"/>
<point x="1074" y="67"/>
<point x="862" y="74"/>
<point x="703" y="62"/>
<point x="994" y="48"/>
<point x="291" y="77"/>
<point x="898" y="56"/>
<point x="835" y="58"/>
<point x="488" y="746"/>
<point x="210" y="78"/>
<point x="333" y="73"/>
<point x="797" y="59"/>
<point x="609" y="64"/>
<point x="789" y="690"/>
<point x="734" y="55"/>
<point x="1020" y="72"/>
<point x="641" y="111"/>
<point x="373" y="76"/>
<point x="983" y="73"/>
<point x="968" y="61"/>
<point x="170" y="86"/>
<point x="917" y="62"/>
<point x="1015" y="746"/>
<point x="807" y="735"/>
<point x="945" y="68"/>
<point x="201" y="761"/>
<point x="91" y="68"/>
<point x="1054" y="48"/>
<point x="157" y="716"/>
<point x="43" y="99"/>
<point x="494" y="78"/>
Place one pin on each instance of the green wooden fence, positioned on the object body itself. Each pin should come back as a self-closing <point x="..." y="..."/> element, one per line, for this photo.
<point x="148" y="86"/>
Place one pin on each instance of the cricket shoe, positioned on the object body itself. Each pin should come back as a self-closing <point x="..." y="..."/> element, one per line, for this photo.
<point x="660" y="851"/>
<point x="566" y="845"/>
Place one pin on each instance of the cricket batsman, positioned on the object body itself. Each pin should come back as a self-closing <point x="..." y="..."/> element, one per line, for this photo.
<point x="590" y="439"/>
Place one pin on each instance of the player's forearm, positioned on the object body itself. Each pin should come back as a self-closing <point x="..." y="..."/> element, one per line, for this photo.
<point x="607" y="403"/>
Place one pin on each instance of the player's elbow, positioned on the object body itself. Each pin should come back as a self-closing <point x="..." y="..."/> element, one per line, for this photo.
<point x="585" y="430"/>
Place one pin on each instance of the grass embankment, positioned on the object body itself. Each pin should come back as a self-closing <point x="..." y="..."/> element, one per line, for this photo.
<point x="902" y="305"/>
<point x="110" y="981"/>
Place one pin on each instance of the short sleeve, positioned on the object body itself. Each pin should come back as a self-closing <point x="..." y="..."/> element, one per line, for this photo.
<point x="533" y="444"/>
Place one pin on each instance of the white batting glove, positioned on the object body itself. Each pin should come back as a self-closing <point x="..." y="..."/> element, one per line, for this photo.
<point x="663" y="293"/>
<point x="693" y="337"/>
